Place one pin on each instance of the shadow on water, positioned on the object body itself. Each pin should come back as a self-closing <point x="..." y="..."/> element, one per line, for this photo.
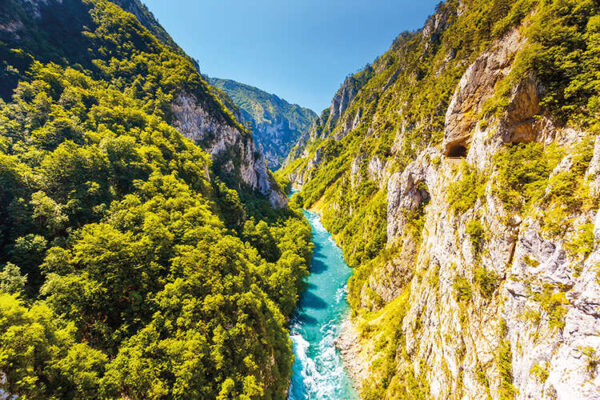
<point x="306" y="319"/>
<point x="318" y="265"/>
<point x="318" y="254"/>
<point x="311" y="300"/>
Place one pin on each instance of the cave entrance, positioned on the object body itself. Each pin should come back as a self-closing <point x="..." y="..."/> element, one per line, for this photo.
<point x="456" y="151"/>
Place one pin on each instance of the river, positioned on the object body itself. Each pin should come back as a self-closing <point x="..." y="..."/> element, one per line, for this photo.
<point x="319" y="372"/>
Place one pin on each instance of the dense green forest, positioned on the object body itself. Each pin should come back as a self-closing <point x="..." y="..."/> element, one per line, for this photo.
<point x="128" y="269"/>
<point x="459" y="173"/>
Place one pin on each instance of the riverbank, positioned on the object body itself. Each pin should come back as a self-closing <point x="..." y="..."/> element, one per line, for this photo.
<point x="348" y="343"/>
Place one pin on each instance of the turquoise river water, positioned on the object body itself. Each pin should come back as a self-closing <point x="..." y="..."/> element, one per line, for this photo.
<point x="319" y="373"/>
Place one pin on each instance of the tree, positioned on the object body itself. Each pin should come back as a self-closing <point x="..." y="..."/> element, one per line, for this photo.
<point x="11" y="280"/>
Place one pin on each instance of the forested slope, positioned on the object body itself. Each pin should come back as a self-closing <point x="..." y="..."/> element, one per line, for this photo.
<point x="134" y="262"/>
<point x="276" y="124"/>
<point x="459" y="173"/>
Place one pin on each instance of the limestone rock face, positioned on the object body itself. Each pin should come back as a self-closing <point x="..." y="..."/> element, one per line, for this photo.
<point x="342" y="100"/>
<point x="457" y="343"/>
<point x="376" y="170"/>
<point x="233" y="150"/>
<point x="475" y="301"/>
<point x="316" y="160"/>
<point x="519" y="124"/>
<point x="544" y="314"/>
<point x="475" y="88"/>
<point x="407" y="192"/>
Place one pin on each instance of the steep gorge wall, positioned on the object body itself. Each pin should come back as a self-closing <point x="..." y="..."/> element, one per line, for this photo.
<point x="485" y="282"/>
<point x="276" y="125"/>
<point x="39" y="27"/>
<point x="234" y="152"/>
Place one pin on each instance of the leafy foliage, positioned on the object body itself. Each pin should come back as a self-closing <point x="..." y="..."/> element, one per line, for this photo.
<point x="564" y="55"/>
<point x="486" y="281"/>
<point x="463" y="289"/>
<point x="584" y="242"/>
<point x="130" y="269"/>
<point x="504" y="362"/>
<point x="522" y="174"/>
<point x="11" y="280"/>
<point x="476" y="234"/>
<point x="464" y="193"/>
<point x="553" y="303"/>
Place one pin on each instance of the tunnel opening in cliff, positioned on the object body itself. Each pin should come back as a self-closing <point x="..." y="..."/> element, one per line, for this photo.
<point x="457" y="150"/>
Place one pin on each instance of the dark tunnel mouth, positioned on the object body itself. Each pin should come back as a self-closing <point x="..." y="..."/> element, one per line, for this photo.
<point x="458" y="150"/>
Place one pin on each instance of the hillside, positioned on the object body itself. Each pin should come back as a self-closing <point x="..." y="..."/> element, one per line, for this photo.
<point x="276" y="124"/>
<point x="459" y="173"/>
<point x="146" y="251"/>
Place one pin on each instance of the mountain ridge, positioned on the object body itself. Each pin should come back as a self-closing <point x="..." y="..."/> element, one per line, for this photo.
<point x="276" y="124"/>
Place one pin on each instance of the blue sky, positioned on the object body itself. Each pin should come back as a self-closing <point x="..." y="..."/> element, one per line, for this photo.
<point x="300" y="50"/>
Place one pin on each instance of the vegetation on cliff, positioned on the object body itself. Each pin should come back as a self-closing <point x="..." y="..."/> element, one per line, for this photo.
<point x="128" y="268"/>
<point x="391" y="141"/>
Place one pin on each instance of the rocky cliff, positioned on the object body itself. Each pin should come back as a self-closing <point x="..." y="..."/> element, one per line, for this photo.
<point x="233" y="150"/>
<point x="323" y="126"/>
<point x="461" y="182"/>
<point x="40" y="26"/>
<point x="276" y="125"/>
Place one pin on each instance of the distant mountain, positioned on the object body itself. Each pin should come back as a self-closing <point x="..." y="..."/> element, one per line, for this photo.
<point x="276" y="124"/>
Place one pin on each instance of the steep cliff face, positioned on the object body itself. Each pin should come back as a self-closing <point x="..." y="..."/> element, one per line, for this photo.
<point x="306" y="155"/>
<point x="276" y="125"/>
<point x="40" y="26"/>
<point x="234" y="153"/>
<point x="465" y="195"/>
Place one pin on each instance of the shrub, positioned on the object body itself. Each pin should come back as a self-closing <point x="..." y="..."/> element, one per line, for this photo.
<point x="531" y="315"/>
<point x="463" y="289"/>
<point x="522" y="171"/>
<point x="532" y="262"/>
<point x="554" y="306"/>
<point x="504" y="362"/>
<point x="593" y="360"/>
<point x="583" y="242"/>
<point x="476" y="234"/>
<point x="555" y="222"/>
<point x="463" y="194"/>
<point x="540" y="372"/>
<point x="568" y="188"/>
<point x="486" y="281"/>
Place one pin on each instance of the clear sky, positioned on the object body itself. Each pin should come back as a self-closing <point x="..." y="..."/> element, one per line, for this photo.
<point x="300" y="50"/>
